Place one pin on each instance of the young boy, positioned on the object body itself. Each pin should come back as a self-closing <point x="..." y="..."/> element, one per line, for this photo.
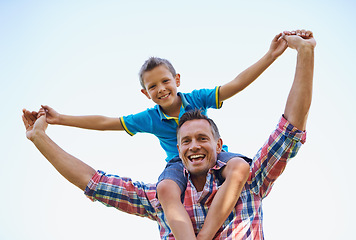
<point x="159" y="83"/>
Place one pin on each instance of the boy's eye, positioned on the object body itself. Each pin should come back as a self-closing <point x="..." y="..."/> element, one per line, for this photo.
<point x="165" y="81"/>
<point x="152" y="87"/>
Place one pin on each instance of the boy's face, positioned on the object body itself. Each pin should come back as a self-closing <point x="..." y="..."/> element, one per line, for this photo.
<point x="161" y="86"/>
<point x="198" y="147"/>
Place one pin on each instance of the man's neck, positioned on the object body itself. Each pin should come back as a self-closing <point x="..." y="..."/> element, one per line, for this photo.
<point x="198" y="182"/>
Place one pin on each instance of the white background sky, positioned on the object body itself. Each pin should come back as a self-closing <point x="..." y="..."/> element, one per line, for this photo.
<point x="83" y="58"/>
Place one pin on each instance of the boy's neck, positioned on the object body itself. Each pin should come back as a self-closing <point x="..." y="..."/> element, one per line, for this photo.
<point x="174" y="109"/>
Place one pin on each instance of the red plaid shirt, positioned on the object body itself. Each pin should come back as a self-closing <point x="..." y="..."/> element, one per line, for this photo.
<point x="244" y="222"/>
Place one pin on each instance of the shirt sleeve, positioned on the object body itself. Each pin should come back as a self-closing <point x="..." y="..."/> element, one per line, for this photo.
<point x="139" y="122"/>
<point x="270" y="161"/>
<point x="205" y="98"/>
<point x="123" y="194"/>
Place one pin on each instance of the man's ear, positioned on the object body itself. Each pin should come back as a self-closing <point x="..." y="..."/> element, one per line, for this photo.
<point x="178" y="151"/>
<point x="145" y="93"/>
<point x="219" y="145"/>
<point x="177" y="78"/>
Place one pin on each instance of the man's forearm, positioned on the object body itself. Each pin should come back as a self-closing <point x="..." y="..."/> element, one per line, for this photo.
<point x="74" y="170"/>
<point x="300" y="96"/>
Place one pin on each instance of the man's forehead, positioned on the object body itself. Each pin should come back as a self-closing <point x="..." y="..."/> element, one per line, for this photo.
<point x="196" y="126"/>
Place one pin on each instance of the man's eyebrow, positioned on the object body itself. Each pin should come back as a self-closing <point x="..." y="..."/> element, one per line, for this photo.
<point x="184" y="137"/>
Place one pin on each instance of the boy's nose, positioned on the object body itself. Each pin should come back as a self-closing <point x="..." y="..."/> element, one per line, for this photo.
<point x="160" y="88"/>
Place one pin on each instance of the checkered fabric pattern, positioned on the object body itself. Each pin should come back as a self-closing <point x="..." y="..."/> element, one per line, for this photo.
<point x="244" y="222"/>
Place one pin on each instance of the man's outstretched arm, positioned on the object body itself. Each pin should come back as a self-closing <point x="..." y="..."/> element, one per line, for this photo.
<point x="74" y="170"/>
<point x="300" y="95"/>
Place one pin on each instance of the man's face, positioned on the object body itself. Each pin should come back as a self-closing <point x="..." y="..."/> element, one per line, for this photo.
<point x="161" y="86"/>
<point x="197" y="146"/>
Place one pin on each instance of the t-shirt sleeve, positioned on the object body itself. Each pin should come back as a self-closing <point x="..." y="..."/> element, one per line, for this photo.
<point x="134" y="123"/>
<point x="205" y="98"/>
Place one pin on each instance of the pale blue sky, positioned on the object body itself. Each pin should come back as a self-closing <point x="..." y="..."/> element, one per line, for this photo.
<point x="83" y="58"/>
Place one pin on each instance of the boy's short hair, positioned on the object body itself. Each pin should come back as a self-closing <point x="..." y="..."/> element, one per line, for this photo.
<point x="197" y="114"/>
<point x="153" y="62"/>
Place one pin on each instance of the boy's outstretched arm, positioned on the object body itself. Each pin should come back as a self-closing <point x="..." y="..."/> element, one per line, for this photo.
<point x="245" y="78"/>
<point x="300" y="95"/>
<point x="94" y="122"/>
<point x="74" y="170"/>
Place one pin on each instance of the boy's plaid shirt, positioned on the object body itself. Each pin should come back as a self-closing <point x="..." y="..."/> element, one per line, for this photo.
<point x="244" y="222"/>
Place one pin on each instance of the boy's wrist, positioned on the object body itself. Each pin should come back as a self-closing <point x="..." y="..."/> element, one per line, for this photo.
<point x="270" y="56"/>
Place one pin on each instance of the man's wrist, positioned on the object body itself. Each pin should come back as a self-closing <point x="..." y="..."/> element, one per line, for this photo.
<point x="305" y="47"/>
<point x="37" y="135"/>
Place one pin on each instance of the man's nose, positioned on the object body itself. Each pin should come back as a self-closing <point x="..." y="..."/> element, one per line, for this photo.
<point x="194" y="146"/>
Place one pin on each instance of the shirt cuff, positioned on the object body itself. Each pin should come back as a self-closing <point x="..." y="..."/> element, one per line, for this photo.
<point x="290" y="131"/>
<point x="91" y="187"/>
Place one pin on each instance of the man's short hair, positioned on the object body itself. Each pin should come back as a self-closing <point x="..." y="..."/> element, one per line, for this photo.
<point x="197" y="114"/>
<point x="153" y="62"/>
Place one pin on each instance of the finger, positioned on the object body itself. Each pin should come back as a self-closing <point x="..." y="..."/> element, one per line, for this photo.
<point x="40" y="114"/>
<point x="29" y="117"/>
<point x="32" y="116"/>
<point x="309" y="34"/>
<point x="275" y="39"/>
<point x="45" y="107"/>
<point x="25" y="122"/>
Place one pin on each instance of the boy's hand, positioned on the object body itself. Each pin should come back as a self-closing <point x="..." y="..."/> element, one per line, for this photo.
<point x="278" y="46"/>
<point x="33" y="124"/>
<point x="299" y="39"/>
<point x="52" y="117"/>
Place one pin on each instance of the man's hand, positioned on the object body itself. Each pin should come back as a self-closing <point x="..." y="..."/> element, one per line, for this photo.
<point x="278" y="46"/>
<point x="33" y="125"/>
<point x="299" y="39"/>
<point x="52" y="116"/>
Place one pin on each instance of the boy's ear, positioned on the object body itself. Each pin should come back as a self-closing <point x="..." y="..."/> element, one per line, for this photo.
<point x="219" y="145"/>
<point x="177" y="78"/>
<point x="145" y="93"/>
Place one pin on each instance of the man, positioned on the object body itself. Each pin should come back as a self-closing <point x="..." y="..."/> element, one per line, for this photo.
<point x="199" y="143"/>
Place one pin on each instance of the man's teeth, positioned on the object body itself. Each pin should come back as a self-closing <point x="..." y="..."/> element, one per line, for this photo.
<point x="196" y="156"/>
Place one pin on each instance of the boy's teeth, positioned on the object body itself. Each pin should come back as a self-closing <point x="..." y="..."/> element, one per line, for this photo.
<point x="164" y="96"/>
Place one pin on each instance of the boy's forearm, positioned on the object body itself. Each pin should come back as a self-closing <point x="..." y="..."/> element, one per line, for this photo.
<point x="74" y="170"/>
<point x="93" y="122"/>
<point x="246" y="77"/>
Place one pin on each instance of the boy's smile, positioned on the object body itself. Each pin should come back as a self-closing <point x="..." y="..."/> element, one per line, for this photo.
<point x="161" y="87"/>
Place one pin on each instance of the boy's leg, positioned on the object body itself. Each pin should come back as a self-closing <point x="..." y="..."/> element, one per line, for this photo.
<point x="171" y="185"/>
<point x="169" y="195"/>
<point x="235" y="173"/>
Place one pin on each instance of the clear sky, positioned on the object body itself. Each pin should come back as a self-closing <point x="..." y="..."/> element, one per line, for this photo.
<point x="82" y="57"/>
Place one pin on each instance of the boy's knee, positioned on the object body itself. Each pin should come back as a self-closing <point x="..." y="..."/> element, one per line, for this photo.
<point x="237" y="168"/>
<point x="168" y="189"/>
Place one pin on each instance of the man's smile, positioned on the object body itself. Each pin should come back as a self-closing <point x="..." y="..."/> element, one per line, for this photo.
<point x="196" y="157"/>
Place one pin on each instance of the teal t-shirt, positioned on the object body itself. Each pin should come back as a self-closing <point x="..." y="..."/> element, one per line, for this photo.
<point x="154" y="121"/>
